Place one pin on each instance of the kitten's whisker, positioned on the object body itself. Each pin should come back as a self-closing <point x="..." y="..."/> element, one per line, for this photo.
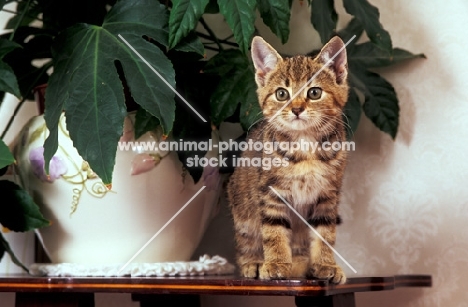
<point x="348" y="125"/>
<point x="337" y="119"/>
<point x="254" y="123"/>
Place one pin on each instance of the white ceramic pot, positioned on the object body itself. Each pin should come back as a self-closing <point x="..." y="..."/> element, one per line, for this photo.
<point x="93" y="225"/>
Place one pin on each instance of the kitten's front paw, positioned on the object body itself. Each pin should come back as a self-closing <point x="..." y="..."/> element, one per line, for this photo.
<point x="272" y="270"/>
<point x="250" y="270"/>
<point x="325" y="271"/>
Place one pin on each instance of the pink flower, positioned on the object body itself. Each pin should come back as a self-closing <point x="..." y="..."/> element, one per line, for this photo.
<point x="56" y="168"/>
<point x="143" y="163"/>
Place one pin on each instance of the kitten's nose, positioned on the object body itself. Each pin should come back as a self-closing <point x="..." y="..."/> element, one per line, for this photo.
<point x="297" y="111"/>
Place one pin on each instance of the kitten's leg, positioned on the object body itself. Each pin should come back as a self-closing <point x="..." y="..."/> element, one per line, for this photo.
<point x="245" y="209"/>
<point x="322" y="260"/>
<point x="276" y="239"/>
<point x="249" y="248"/>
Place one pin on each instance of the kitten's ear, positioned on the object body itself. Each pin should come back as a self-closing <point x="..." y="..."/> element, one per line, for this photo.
<point x="265" y="59"/>
<point x="339" y="64"/>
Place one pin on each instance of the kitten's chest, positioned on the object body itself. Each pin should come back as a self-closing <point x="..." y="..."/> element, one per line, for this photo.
<point x="306" y="182"/>
<point x="307" y="176"/>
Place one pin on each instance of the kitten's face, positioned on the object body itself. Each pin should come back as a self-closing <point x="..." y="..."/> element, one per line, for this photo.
<point x="293" y="95"/>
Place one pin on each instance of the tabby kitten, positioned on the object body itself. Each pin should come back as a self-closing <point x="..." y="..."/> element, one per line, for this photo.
<point x="272" y="242"/>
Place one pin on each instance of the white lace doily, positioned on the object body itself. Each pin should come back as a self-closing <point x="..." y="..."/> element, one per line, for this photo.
<point x="206" y="265"/>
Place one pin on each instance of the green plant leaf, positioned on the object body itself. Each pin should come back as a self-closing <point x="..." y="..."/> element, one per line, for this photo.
<point x="144" y="122"/>
<point x="5" y="247"/>
<point x="35" y="44"/>
<point x="250" y="111"/>
<point x="191" y="43"/>
<point x="222" y="63"/>
<point x="86" y="85"/>
<point x="18" y="211"/>
<point x="352" y="113"/>
<point x="240" y="16"/>
<point x="354" y="27"/>
<point x="6" y="158"/>
<point x="184" y="18"/>
<point x="276" y="15"/>
<point x="381" y="102"/>
<point x="8" y="81"/>
<point x="324" y="18"/>
<point x="368" y="55"/>
<point x="234" y="86"/>
<point x="369" y="16"/>
<point x="6" y="46"/>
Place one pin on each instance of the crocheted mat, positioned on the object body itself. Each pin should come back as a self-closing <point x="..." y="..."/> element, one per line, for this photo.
<point x="206" y="265"/>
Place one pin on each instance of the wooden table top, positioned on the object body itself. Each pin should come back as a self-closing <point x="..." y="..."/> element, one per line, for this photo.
<point x="208" y="285"/>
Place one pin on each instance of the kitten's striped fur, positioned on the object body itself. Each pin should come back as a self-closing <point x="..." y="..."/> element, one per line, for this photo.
<point x="271" y="240"/>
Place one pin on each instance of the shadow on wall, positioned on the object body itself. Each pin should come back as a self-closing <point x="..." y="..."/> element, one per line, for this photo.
<point x="219" y="236"/>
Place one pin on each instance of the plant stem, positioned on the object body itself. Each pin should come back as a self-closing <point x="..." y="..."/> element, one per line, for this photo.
<point x="222" y="41"/>
<point x="20" y="20"/>
<point x="20" y="104"/>
<point x="212" y="35"/>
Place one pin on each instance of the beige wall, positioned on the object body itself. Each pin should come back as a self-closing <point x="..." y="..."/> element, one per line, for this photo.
<point x="405" y="202"/>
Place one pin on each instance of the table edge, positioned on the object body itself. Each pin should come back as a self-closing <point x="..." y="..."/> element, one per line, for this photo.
<point x="230" y="285"/>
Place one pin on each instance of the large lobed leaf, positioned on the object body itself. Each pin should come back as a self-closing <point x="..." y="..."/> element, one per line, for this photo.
<point x="369" y="16"/>
<point x="276" y="15"/>
<point x="240" y="16"/>
<point x="324" y="18"/>
<point x="184" y="18"/>
<point x="85" y="83"/>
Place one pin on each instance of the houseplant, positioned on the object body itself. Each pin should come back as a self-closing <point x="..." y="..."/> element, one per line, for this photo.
<point x="86" y="41"/>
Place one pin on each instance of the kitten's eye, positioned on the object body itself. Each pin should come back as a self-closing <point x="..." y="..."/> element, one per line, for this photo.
<point x="282" y="94"/>
<point x="314" y="93"/>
